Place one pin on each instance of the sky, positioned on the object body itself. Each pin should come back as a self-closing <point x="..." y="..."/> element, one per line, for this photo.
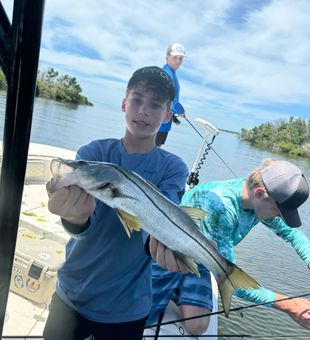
<point x="247" y="62"/>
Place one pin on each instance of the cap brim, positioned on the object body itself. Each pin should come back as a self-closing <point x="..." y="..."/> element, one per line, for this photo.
<point x="290" y="216"/>
<point x="175" y="54"/>
<point x="166" y="81"/>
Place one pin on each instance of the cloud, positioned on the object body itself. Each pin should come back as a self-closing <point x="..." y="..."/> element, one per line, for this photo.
<point x="247" y="61"/>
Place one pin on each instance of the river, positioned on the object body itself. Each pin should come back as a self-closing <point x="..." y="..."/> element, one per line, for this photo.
<point x="272" y="262"/>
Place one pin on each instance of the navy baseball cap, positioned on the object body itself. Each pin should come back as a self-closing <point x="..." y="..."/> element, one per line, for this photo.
<point x="287" y="185"/>
<point x="153" y="74"/>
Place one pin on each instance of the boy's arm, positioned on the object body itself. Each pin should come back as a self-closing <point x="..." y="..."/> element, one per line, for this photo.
<point x="298" y="309"/>
<point x="176" y="107"/>
<point x="294" y="236"/>
<point x="174" y="181"/>
<point x="220" y="222"/>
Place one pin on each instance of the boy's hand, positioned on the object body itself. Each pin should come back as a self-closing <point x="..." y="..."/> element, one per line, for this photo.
<point x="165" y="257"/>
<point x="71" y="203"/>
<point x="298" y="309"/>
<point x="175" y="120"/>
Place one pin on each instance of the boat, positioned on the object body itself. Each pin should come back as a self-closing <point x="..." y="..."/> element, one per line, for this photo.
<point x="28" y="272"/>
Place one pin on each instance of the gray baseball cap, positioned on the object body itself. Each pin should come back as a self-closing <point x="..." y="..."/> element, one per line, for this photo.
<point x="286" y="184"/>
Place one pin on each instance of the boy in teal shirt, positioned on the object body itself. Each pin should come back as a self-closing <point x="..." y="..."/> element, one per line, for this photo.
<point x="271" y="195"/>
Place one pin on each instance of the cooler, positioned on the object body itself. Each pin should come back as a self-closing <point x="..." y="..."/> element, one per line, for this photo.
<point x="38" y="255"/>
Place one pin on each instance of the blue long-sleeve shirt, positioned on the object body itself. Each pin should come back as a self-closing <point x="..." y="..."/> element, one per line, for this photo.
<point x="106" y="276"/>
<point x="176" y="106"/>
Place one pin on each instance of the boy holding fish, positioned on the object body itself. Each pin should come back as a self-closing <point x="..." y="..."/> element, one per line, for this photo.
<point x="104" y="286"/>
<point x="271" y="195"/>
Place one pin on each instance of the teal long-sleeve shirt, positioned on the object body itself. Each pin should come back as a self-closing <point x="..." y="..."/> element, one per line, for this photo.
<point x="228" y="223"/>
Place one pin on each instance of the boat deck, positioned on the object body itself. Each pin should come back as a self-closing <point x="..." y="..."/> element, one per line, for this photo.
<point x="25" y="315"/>
<point x="40" y="242"/>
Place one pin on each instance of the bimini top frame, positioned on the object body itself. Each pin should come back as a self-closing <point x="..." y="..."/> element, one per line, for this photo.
<point x="19" y="55"/>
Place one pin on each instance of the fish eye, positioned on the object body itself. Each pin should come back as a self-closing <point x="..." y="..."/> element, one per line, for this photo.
<point x="103" y="186"/>
<point x="113" y="190"/>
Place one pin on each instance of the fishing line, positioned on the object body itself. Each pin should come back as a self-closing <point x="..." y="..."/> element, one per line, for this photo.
<point x="193" y="127"/>
<point x="224" y="336"/>
<point x="212" y="148"/>
<point x="197" y="336"/>
<point x="231" y="310"/>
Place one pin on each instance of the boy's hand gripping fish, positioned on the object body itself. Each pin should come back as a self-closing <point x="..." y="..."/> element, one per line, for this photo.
<point x="139" y="204"/>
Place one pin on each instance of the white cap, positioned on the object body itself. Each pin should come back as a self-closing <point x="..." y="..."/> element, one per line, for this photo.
<point x="176" y="49"/>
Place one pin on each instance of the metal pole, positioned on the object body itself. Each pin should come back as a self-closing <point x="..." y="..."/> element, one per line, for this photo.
<point x="209" y="130"/>
<point x="25" y="47"/>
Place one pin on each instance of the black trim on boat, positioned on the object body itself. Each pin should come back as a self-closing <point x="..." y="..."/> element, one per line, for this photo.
<point x="19" y="50"/>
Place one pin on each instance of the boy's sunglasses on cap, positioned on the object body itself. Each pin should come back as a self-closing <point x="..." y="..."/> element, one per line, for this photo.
<point x="156" y="74"/>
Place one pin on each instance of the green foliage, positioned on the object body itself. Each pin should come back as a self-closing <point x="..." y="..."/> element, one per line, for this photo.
<point x="292" y="136"/>
<point x="2" y="80"/>
<point x="61" y="88"/>
<point x="52" y="86"/>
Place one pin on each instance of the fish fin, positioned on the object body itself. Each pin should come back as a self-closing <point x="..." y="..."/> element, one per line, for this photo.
<point x="188" y="262"/>
<point x="237" y="279"/>
<point x="194" y="213"/>
<point x="129" y="222"/>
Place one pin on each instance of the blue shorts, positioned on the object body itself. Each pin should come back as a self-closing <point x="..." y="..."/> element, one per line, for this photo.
<point x="183" y="289"/>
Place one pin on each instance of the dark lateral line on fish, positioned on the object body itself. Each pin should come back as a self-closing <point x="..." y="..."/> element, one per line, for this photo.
<point x="145" y="193"/>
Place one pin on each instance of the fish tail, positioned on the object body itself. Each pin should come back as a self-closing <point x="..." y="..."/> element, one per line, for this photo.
<point x="237" y="279"/>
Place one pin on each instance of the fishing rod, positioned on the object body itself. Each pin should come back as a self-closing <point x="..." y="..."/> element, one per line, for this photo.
<point x="213" y="130"/>
<point x="225" y="336"/>
<point x="193" y="126"/>
<point x="231" y="310"/>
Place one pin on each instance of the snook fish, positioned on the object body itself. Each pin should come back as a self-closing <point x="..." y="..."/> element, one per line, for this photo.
<point x="139" y="204"/>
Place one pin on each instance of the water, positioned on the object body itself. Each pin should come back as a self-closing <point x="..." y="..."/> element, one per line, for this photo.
<point x="272" y="262"/>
